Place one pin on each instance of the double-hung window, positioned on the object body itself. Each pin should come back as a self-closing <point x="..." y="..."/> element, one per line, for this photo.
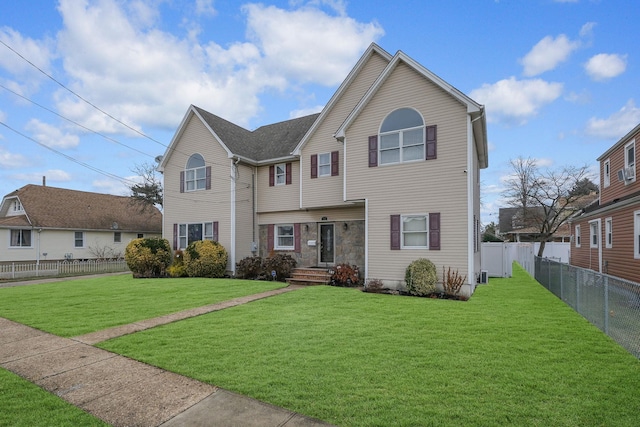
<point x="20" y="238"/>
<point x="630" y="160"/>
<point x="284" y="237"/>
<point x="195" y="173"/>
<point x="594" y="232"/>
<point x="608" y="231"/>
<point x="324" y="164"/>
<point x="281" y="174"/>
<point x="402" y="137"/>
<point x="606" y="173"/>
<point x="577" y="236"/>
<point x="636" y="234"/>
<point x="117" y="237"/>
<point x="78" y="239"/>
<point x="189" y="233"/>
<point x="415" y="229"/>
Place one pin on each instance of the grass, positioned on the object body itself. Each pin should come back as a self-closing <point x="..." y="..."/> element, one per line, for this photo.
<point x="26" y="405"/>
<point x="512" y="355"/>
<point x="77" y="307"/>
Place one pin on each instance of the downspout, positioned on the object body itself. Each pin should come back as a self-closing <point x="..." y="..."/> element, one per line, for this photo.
<point x="366" y="238"/>
<point x="469" y="172"/>
<point x="234" y="176"/>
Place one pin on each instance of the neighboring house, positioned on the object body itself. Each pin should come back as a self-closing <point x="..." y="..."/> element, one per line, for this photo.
<point x="38" y="222"/>
<point x="606" y="234"/>
<point x="387" y="173"/>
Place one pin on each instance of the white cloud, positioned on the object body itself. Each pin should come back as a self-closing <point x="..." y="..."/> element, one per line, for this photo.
<point x="11" y="160"/>
<point x="617" y="124"/>
<point x="38" y="52"/>
<point x="51" y="136"/>
<point x="145" y="76"/>
<point x="605" y="66"/>
<point x="516" y="101"/>
<point x="547" y="54"/>
<point x="305" y="111"/>
<point x="587" y="29"/>
<point x="205" y="8"/>
<point x="52" y="175"/>
<point x="110" y="186"/>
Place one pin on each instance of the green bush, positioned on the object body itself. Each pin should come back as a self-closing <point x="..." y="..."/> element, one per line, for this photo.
<point x="282" y="264"/>
<point x="205" y="258"/>
<point x="148" y="257"/>
<point x="250" y="268"/>
<point x="177" y="269"/>
<point x="421" y="277"/>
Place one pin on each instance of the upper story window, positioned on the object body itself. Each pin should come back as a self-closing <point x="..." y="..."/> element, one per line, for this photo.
<point x="195" y="173"/>
<point x="402" y="137"/>
<point x="281" y="174"/>
<point x="606" y="172"/>
<point x="17" y="206"/>
<point x="324" y="164"/>
<point x="630" y="160"/>
<point x="578" y="242"/>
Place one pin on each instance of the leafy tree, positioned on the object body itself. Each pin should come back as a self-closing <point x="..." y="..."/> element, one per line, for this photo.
<point x="545" y="196"/>
<point x="584" y="187"/>
<point x="149" y="191"/>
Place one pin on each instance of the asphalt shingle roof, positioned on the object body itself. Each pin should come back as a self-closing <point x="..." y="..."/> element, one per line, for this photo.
<point x="51" y="207"/>
<point x="272" y="141"/>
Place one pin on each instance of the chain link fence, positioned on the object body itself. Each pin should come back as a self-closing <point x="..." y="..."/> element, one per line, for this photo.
<point x="610" y="303"/>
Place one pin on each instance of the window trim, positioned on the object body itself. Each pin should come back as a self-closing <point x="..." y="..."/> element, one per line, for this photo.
<point x="577" y="235"/>
<point x="400" y="147"/>
<point x="606" y="170"/>
<point x="608" y="232"/>
<point x="21" y="238"/>
<point x="636" y="234"/>
<point x="326" y="165"/>
<point x="594" y="234"/>
<point x="403" y="232"/>
<point x="282" y="175"/>
<point x="195" y="179"/>
<point x="185" y="236"/>
<point x="627" y="164"/>
<point x="277" y="236"/>
<point x="76" y="239"/>
<point x="117" y="237"/>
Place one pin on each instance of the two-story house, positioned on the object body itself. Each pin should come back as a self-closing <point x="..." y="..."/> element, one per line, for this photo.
<point x="387" y="173"/>
<point x="606" y="234"/>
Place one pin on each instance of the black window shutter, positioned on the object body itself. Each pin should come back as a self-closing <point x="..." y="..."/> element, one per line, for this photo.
<point x="272" y="175"/>
<point x="208" y="178"/>
<point x="288" y="173"/>
<point x="182" y="181"/>
<point x="215" y="231"/>
<point x="431" y="137"/>
<point x="335" y="163"/>
<point x="373" y="151"/>
<point x="434" y="231"/>
<point x="175" y="237"/>
<point x="314" y="166"/>
<point x="395" y="232"/>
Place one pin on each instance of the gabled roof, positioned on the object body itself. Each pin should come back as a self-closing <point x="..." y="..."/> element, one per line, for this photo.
<point x="267" y="143"/>
<point x="59" y="208"/>
<point x="371" y="50"/>
<point x="475" y="110"/>
<point x="620" y="142"/>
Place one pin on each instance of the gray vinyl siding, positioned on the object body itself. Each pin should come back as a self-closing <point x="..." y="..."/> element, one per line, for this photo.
<point x="438" y="185"/>
<point x="326" y="191"/>
<point x="203" y="205"/>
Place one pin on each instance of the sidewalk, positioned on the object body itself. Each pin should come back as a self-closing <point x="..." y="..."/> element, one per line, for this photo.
<point x="125" y="392"/>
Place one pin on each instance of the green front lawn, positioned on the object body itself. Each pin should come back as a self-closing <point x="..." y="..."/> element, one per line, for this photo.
<point x="26" y="405"/>
<point x="512" y="355"/>
<point x="81" y="306"/>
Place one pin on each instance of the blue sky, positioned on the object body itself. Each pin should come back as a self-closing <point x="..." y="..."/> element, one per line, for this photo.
<point x="560" y="79"/>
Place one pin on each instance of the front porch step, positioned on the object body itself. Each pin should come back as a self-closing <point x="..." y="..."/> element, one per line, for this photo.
<point x="309" y="276"/>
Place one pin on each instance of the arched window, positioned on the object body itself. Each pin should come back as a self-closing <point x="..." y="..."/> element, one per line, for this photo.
<point x="402" y="137"/>
<point x="195" y="173"/>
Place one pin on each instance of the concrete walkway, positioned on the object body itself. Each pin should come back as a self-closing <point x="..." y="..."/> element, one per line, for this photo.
<point x="125" y="392"/>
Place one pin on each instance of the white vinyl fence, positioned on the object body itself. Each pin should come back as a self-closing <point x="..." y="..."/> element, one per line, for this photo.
<point x="497" y="257"/>
<point x="21" y="270"/>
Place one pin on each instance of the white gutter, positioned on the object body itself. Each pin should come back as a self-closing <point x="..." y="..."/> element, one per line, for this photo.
<point x="366" y="238"/>
<point x="232" y="249"/>
<point x="469" y="172"/>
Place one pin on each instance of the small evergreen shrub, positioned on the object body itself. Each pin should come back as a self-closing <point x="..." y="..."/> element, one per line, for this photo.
<point x="205" y="258"/>
<point x="282" y="264"/>
<point x="250" y="268"/>
<point x="345" y="275"/>
<point x="148" y="257"/>
<point x="421" y="277"/>
<point x="177" y="268"/>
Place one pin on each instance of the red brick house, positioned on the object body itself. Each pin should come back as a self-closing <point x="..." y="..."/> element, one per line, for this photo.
<point x="606" y="234"/>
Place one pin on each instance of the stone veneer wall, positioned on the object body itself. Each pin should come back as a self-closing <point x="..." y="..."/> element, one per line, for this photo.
<point x="349" y="244"/>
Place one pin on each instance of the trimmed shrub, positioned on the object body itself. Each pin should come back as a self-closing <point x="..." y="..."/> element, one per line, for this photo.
<point x="345" y="275"/>
<point x="148" y="257"/>
<point x="205" y="258"/>
<point x="250" y="268"/>
<point x="421" y="277"/>
<point x="176" y="269"/>
<point x="282" y="264"/>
